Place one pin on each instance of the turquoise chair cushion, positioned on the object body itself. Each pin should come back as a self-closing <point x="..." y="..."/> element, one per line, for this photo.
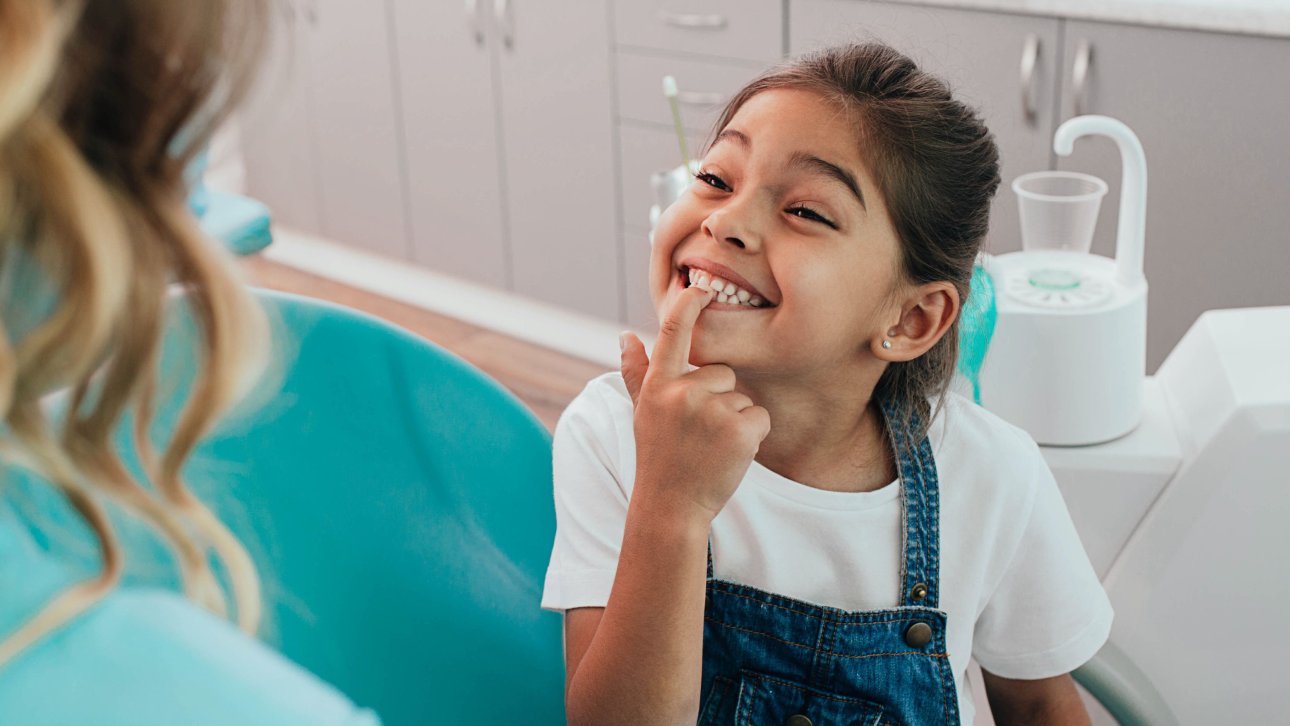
<point x="400" y="503"/>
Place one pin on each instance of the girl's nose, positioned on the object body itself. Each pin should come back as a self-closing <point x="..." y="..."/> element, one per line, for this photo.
<point x="733" y="223"/>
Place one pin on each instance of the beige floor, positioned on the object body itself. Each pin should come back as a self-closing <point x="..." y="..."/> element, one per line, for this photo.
<point x="543" y="379"/>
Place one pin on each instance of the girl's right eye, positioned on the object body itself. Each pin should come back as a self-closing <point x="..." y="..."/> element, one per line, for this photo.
<point x="712" y="180"/>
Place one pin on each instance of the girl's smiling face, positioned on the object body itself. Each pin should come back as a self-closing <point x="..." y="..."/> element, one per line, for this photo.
<point x="784" y="206"/>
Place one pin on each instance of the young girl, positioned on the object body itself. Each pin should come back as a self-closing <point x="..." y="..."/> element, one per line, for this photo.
<point x="809" y="527"/>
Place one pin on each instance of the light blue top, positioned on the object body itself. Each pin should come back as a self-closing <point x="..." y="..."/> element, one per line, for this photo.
<point x="140" y="656"/>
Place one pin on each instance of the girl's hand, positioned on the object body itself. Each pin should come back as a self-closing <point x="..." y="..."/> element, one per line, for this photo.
<point x="695" y="435"/>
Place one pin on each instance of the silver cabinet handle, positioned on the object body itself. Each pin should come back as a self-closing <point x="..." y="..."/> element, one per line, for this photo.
<point x="1029" y="92"/>
<point x="699" y="98"/>
<point x="472" y="21"/>
<point x="699" y="21"/>
<point x="1079" y="75"/>
<point x="502" y="13"/>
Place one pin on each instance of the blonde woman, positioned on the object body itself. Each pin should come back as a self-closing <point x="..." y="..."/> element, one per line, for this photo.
<point x="102" y="105"/>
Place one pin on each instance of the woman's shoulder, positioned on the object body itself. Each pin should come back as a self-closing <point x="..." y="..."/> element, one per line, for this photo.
<point x="146" y="655"/>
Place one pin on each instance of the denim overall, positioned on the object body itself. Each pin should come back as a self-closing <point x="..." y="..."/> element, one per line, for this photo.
<point x="771" y="660"/>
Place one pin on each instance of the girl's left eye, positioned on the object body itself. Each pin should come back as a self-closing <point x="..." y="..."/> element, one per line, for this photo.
<point x="811" y="214"/>
<point x="712" y="180"/>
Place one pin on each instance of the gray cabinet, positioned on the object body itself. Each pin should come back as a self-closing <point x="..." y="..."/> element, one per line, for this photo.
<point x="557" y="135"/>
<point x="450" y="139"/>
<point x="277" y="136"/>
<point x="335" y="123"/>
<point x="981" y="56"/>
<point x="1209" y="109"/>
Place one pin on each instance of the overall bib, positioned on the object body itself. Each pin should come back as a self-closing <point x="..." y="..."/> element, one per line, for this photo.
<point x="770" y="660"/>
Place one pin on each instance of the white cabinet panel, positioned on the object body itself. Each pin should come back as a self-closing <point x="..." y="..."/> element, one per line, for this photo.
<point x="355" y="128"/>
<point x="980" y="56"/>
<point x="704" y="88"/>
<point x="557" y="130"/>
<point x="450" y="139"/>
<point x="636" y="251"/>
<point x="277" y="131"/>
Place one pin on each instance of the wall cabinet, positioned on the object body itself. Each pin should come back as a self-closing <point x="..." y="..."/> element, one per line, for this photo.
<point x="321" y="137"/>
<point x="1217" y="165"/>
<point x="511" y="142"/>
<point x="470" y="137"/>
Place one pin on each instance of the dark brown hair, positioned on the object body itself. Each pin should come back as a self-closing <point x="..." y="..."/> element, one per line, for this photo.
<point x="937" y="167"/>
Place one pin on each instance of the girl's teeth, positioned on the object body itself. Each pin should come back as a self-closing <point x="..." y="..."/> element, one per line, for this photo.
<point x="727" y="292"/>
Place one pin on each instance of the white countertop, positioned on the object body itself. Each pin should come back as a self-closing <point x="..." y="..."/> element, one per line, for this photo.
<point x="1252" y="17"/>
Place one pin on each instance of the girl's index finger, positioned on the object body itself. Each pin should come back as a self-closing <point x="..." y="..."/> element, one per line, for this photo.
<point x="672" y="349"/>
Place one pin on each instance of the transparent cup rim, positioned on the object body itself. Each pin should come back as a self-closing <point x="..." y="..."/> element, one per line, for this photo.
<point x="1097" y="193"/>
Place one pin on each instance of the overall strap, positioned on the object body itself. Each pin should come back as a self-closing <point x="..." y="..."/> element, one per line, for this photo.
<point x="920" y="508"/>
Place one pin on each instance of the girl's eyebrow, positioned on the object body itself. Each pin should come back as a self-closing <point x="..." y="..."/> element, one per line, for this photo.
<point x="801" y="160"/>
<point x="818" y="166"/>
<point x="738" y="137"/>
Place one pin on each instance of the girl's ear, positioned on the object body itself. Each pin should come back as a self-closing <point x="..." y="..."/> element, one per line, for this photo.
<point x="926" y="315"/>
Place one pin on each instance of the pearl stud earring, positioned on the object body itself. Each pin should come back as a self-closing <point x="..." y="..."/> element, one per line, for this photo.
<point x="886" y="343"/>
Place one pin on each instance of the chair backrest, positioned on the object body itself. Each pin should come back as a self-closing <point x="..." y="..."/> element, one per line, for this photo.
<point x="399" y="504"/>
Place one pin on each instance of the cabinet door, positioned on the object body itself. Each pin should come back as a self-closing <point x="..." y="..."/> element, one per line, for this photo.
<point x="1210" y="111"/>
<point x="355" y="131"/>
<point x="980" y="55"/>
<point x="276" y="130"/>
<point x="557" y="132"/>
<point x="449" y="121"/>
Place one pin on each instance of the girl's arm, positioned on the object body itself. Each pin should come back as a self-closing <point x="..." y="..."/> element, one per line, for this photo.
<point x="1046" y="700"/>
<point x="639" y="660"/>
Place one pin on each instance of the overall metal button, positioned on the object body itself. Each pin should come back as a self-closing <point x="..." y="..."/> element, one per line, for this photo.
<point x="918" y="592"/>
<point x="797" y="720"/>
<point x="918" y="635"/>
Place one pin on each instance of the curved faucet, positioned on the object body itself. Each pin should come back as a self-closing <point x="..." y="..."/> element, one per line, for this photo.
<point x="1132" y="231"/>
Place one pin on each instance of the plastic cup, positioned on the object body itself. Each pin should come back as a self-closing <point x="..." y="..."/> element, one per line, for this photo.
<point x="1058" y="209"/>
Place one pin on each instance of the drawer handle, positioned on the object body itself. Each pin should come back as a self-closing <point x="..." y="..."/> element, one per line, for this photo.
<point x="1029" y="58"/>
<point x="699" y="98"/>
<point x="472" y="21"/>
<point x="505" y="22"/>
<point x="699" y="21"/>
<point x="1079" y="75"/>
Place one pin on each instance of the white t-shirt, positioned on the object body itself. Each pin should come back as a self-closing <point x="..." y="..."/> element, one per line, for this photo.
<point x="1021" y="596"/>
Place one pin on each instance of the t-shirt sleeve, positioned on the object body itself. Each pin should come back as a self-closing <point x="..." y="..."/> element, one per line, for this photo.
<point x="1048" y="614"/>
<point x="590" y="500"/>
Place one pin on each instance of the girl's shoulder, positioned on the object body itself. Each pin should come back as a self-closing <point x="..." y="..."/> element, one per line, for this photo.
<point x="603" y="397"/>
<point x="985" y="451"/>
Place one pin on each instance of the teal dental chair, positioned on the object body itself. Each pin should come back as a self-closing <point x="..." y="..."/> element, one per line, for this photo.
<point x="398" y="504"/>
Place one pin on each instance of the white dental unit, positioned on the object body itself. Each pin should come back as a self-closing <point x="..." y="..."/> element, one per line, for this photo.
<point x="1186" y="517"/>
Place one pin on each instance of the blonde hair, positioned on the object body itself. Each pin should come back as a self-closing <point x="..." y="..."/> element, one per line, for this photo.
<point x="103" y="103"/>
